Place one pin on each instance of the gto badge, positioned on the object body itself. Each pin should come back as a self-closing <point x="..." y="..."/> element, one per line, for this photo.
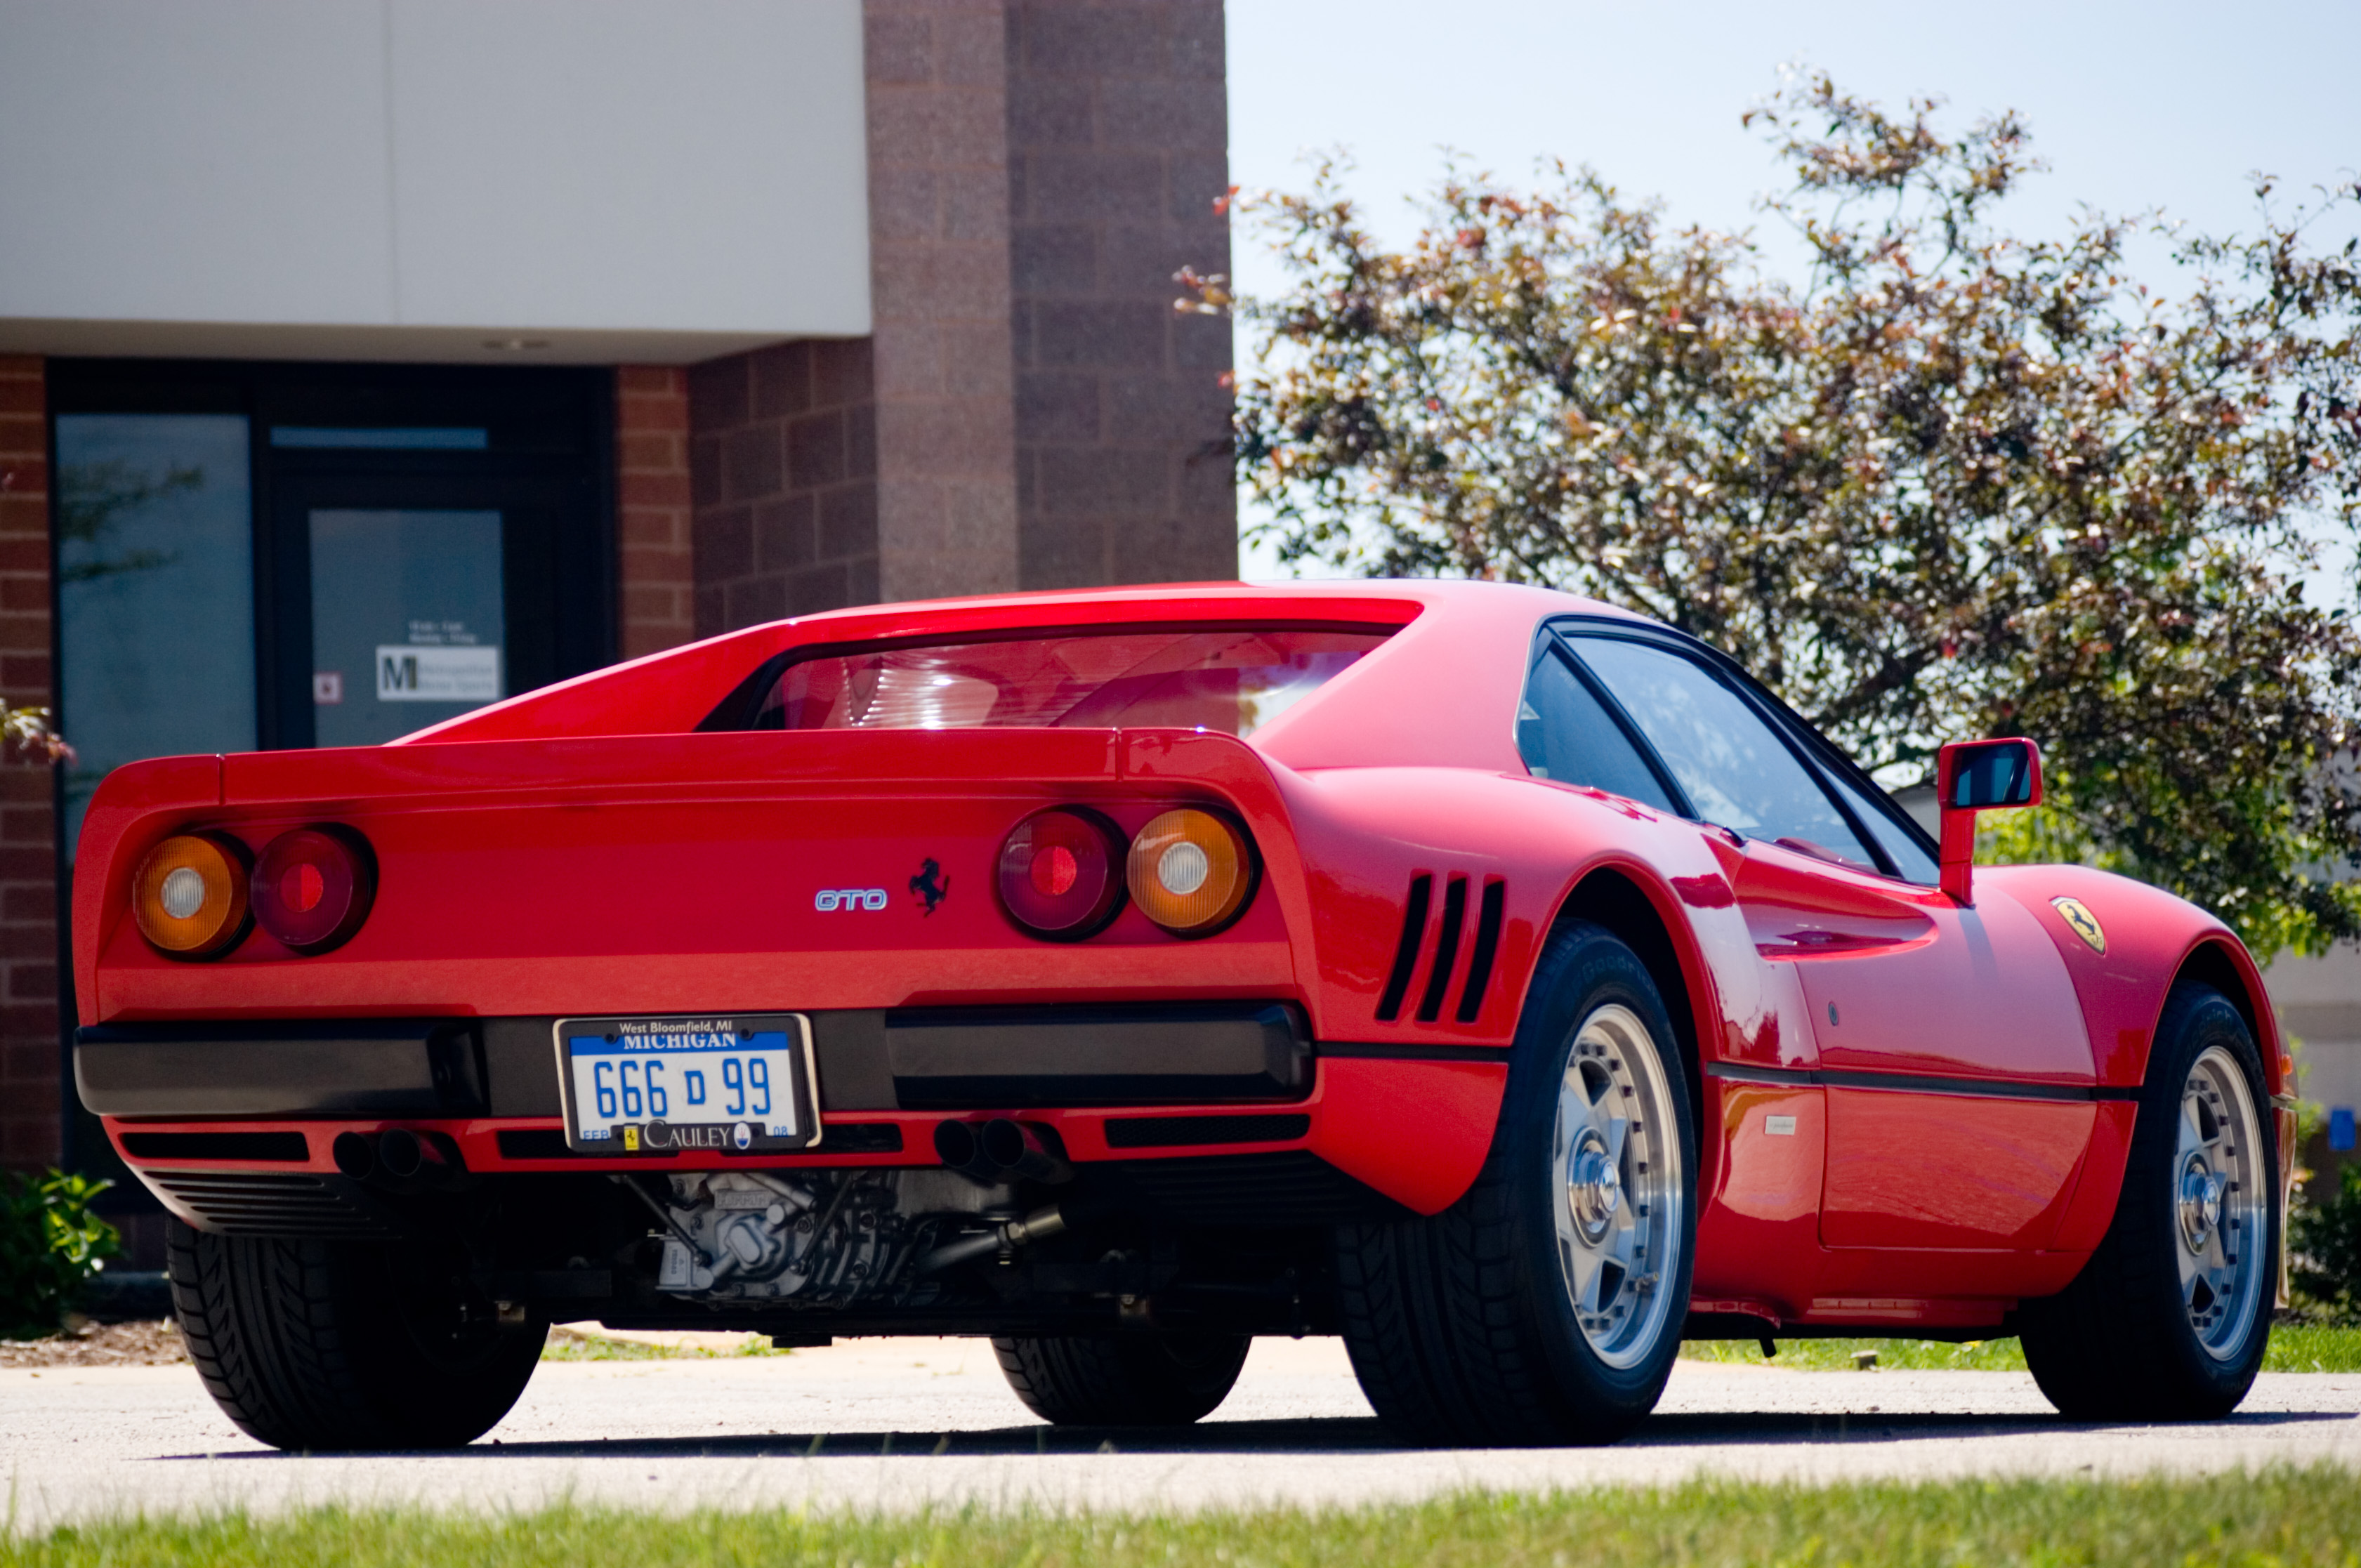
<point x="828" y="899"/>
<point x="2085" y="925"/>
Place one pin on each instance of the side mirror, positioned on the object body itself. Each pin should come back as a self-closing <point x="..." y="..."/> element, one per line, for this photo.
<point x="1980" y="775"/>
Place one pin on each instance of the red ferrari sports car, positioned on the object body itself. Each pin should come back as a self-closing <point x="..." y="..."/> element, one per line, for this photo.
<point x="1504" y="982"/>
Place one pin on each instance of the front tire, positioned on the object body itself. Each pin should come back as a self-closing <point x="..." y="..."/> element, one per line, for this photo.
<point x="1546" y="1305"/>
<point x="1126" y="1380"/>
<point x="2169" y="1319"/>
<point x="321" y="1345"/>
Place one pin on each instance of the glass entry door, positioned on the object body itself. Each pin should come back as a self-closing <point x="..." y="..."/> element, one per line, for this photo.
<point x="407" y="621"/>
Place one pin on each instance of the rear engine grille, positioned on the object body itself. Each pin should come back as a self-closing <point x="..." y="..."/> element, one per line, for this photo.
<point x="1445" y="949"/>
<point x="1173" y="1132"/>
<point x="1294" y="1188"/>
<point x="238" y="1204"/>
<point x="290" y="1146"/>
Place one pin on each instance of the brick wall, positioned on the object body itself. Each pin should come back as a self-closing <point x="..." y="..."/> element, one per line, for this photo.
<point x="1118" y="147"/>
<point x="784" y="463"/>
<point x="657" y="573"/>
<point x="30" y="1110"/>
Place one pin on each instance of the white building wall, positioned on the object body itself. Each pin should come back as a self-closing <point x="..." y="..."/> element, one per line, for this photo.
<point x="616" y="179"/>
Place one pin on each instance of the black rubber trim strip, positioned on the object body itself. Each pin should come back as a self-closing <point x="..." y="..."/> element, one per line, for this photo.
<point x="1370" y="1050"/>
<point x="1413" y="932"/>
<point x="1488" y="944"/>
<point x="1447" y="949"/>
<point x="1915" y="1083"/>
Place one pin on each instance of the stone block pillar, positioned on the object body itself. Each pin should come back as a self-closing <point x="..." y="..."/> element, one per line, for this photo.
<point x="1030" y="410"/>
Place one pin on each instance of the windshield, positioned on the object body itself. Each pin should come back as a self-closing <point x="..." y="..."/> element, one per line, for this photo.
<point x="1229" y="680"/>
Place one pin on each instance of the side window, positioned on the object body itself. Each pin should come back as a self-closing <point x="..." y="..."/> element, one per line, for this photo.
<point x="1912" y="861"/>
<point x="1735" y="770"/>
<point x="1566" y="735"/>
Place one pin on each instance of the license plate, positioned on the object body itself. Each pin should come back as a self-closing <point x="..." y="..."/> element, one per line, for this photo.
<point x="742" y="1083"/>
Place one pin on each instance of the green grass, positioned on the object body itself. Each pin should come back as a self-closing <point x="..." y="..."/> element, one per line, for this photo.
<point x="570" y="1344"/>
<point x="1837" y="1354"/>
<point x="2289" y="1519"/>
<point x="2313" y="1348"/>
<point x="2293" y="1349"/>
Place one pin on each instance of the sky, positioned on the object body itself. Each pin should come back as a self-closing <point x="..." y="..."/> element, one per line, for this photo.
<point x="2161" y="104"/>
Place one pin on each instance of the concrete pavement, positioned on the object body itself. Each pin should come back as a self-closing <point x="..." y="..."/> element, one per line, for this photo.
<point x="917" y="1423"/>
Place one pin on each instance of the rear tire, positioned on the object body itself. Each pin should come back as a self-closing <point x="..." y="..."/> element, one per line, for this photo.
<point x="2169" y="1319"/>
<point x="315" y="1344"/>
<point x="1128" y="1380"/>
<point x="1546" y="1305"/>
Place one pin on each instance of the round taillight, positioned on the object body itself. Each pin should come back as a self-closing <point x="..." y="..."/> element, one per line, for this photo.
<point x="1057" y="873"/>
<point x="1190" y="871"/>
<point x="313" y="887"/>
<point x="191" y="896"/>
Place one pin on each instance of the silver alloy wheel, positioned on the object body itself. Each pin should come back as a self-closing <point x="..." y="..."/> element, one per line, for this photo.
<point x="1616" y="1176"/>
<point x="2219" y="1193"/>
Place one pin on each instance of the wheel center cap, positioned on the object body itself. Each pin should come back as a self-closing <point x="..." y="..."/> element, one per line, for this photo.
<point x="2200" y="1202"/>
<point x="1594" y="1188"/>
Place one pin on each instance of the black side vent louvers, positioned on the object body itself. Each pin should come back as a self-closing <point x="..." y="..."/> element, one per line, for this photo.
<point x="1480" y="955"/>
<point x="1446" y="950"/>
<point x="1413" y="932"/>
<point x="1488" y="944"/>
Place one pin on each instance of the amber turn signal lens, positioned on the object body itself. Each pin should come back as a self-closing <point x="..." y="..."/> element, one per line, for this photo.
<point x="1057" y="876"/>
<point x="313" y="887"/>
<point x="191" y="896"/>
<point x="1190" y="871"/>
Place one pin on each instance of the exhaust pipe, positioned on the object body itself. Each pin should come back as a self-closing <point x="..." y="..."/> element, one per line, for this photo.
<point x="1005" y="1237"/>
<point x="1002" y="1150"/>
<point x="1020" y="1151"/>
<point x="398" y="1159"/>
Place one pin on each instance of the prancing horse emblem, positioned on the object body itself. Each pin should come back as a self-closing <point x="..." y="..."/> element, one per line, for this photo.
<point x="2085" y="925"/>
<point x="930" y="884"/>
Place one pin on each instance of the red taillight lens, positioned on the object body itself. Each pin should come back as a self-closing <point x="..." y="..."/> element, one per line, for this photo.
<point x="1060" y="873"/>
<point x="313" y="887"/>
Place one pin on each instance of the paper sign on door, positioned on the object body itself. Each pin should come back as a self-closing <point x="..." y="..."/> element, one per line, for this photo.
<point x="438" y="675"/>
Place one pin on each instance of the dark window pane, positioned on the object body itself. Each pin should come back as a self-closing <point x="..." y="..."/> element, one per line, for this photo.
<point x="406" y="620"/>
<point x="1734" y="770"/>
<point x="155" y="591"/>
<point x="1565" y="734"/>
<point x="1913" y="862"/>
<point x="1230" y="681"/>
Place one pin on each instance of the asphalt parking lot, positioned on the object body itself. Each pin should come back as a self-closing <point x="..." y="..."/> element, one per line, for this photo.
<point x="917" y="1423"/>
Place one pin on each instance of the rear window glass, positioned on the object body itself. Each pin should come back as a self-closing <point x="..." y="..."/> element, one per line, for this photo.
<point x="1231" y="681"/>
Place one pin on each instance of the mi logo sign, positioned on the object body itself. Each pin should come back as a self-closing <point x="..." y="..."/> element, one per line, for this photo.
<point x="438" y="675"/>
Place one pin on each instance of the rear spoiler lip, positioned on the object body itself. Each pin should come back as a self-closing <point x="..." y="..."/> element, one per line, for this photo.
<point x="925" y="761"/>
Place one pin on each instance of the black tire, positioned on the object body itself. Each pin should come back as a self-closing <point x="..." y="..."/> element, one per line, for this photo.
<point x="1462" y="1327"/>
<point x="321" y="1346"/>
<point x="1126" y="1380"/>
<point x="2123" y="1342"/>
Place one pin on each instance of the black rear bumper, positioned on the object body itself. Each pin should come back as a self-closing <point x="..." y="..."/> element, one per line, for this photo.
<point x="915" y="1058"/>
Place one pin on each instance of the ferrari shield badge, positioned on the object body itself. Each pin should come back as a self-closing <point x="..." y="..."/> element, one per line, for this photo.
<point x="2085" y="923"/>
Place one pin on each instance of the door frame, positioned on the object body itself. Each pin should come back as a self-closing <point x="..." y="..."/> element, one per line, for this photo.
<point x="551" y="437"/>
